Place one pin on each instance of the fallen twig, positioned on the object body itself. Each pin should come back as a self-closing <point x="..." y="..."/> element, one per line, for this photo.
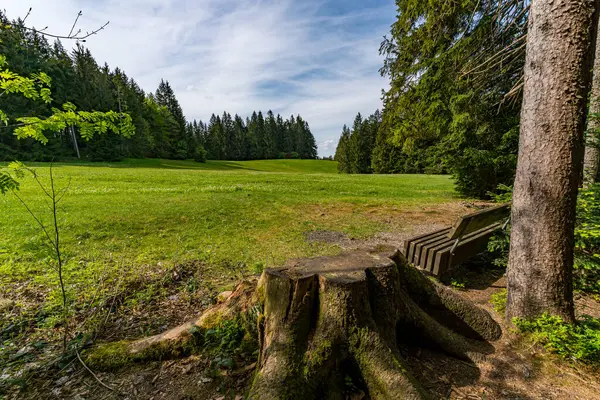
<point x="93" y="374"/>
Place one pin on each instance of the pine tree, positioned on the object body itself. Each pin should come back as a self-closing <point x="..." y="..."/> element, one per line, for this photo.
<point x="447" y="102"/>
<point x="253" y="152"/>
<point x="240" y="139"/>
<point x="540" y="272"/>
<point x="271" y="134"/>
<point x="386" y="158"/>
<point x="310" y="144"/>
<point x="178" y="141"/>
<point x="341" y="151"/>
<point x="160" y="125"/>
<point x="354" y="146"/>
<point x="280" y="141"/>
<point x="261" y="139"/>
<point x="228" y="137"/>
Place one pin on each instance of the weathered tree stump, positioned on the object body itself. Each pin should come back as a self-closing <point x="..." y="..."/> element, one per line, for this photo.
<point x="329" y="318"/>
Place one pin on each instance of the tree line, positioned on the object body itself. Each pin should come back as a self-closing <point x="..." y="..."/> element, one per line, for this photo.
<point x="161" y="129"/>
<point x="454" y="100"/>
<point x="356" y="147"/>
<point x="257" y="137"/>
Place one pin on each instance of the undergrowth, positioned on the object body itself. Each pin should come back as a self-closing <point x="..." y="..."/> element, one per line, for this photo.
<point x="587" y="241"/>
<point x="498" y="301"/>
<point x="586" y="274"/>
<point x="578" y="342"/>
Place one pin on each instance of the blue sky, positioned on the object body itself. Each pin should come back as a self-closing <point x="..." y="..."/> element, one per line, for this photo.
<point x="315" y="58"/>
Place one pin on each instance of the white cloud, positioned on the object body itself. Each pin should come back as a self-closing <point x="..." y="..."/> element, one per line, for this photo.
<point x="328" y="146"/>
<point x="239" y="56"/>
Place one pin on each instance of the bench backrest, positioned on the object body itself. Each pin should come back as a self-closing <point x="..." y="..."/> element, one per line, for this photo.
<point x="477" y="220"/>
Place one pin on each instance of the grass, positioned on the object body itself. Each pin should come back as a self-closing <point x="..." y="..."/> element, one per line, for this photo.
<point x="127" y="218"/>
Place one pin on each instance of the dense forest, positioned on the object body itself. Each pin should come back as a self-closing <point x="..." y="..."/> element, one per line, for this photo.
<point x="258" y="137"/>
<point x="161" y="129"/>
<point x="454" y="99"/>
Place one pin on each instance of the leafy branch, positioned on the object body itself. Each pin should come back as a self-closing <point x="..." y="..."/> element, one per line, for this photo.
<point x="37" y="87"/>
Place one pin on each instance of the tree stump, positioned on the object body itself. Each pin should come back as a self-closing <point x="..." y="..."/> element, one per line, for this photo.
<point x="330" y="319"/>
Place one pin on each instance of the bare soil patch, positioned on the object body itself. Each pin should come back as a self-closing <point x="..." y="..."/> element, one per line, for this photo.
<point x="400" y="222"/>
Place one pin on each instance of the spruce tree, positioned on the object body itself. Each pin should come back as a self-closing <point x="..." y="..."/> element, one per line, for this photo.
<point x="341" y="151"/>
<point x="449" y="102"/>
<point x="240" y="142"/>
<point x="253" y="152"/>
<point x="158" y="119"/>
<point x="280" y="141"/>
<point x="271" y="135"/>
<point x="178" y="141"/>
<point x="228" y="137"/>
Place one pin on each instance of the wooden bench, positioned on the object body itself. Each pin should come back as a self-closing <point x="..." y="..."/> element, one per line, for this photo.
<point x="438" y="251"/>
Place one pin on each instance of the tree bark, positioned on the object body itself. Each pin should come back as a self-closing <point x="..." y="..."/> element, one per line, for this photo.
<point x="333" y="318"/>
<point x="592" y="154"/>
<point x="560" y="45"/>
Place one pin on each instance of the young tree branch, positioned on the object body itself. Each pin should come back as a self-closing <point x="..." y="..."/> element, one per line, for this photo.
<point x="70" y="36"/>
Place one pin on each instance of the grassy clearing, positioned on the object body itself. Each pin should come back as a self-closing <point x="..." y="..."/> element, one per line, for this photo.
<point x="300" y="166"/>
<point x="124" y="219"/>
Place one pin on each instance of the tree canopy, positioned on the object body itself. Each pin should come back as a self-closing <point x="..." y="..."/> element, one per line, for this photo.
<point x="69" y="94"/>
<point x="455" y="72"/>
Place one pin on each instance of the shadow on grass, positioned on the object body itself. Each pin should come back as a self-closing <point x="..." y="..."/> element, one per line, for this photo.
<point x="149" y="164"/>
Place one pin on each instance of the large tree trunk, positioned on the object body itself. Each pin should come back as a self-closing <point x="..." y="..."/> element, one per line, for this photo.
<point x="330" y="319"/>
<point x="560" y="46"/>
<point x="592" y="155"/>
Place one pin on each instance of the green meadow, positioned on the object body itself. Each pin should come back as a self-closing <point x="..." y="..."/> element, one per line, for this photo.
<point x="131" y="217"/>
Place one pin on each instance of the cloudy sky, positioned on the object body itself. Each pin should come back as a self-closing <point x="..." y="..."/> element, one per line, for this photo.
<point x="316" y="58"/>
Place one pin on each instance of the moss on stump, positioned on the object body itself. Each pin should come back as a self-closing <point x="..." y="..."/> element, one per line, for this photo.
<point x="328" y="318"/>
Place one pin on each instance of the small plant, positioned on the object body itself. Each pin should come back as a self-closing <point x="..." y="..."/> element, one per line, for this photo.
<point x="503" y="195"/>
<point x="257" y="268"/>
<point x="586" y="274"/>
<point x="200" y="154"/>
<point x="579" y="342"/>
<point x="587" y="241"/>
<point x="224" y="338"/>
<point x="498" y="301"/>
<point x="232" y="337"/>
<point x="459" y="284"/>
<point x="51" y="232"/>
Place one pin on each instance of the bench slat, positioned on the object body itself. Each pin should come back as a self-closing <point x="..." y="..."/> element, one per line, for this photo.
<point x="431" y="251"/>
<point x="419" y="247"/>
<point x="447" y="246"/>
<point x="424" y="251"/>
<point x="478" y="220"/>
<point x="412" y="243"/>
<point x="466" y="248"/>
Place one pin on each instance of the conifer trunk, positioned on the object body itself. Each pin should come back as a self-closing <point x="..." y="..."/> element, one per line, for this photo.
<point x="592" y="154"/>
<point x="560" y="47"/>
